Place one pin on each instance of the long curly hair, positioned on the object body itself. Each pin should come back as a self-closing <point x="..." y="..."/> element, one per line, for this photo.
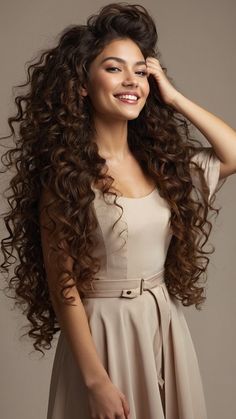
<point x="54" y="151"/>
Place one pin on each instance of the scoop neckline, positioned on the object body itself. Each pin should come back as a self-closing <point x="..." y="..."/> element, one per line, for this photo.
<point x="137" y="199"/>
<point x="131" y="197"/>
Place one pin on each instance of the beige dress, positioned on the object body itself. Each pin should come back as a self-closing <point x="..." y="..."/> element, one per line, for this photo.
<point x="143" y="340"/>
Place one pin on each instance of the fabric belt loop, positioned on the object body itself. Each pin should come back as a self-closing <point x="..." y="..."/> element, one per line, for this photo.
<point x="141" y="286"/>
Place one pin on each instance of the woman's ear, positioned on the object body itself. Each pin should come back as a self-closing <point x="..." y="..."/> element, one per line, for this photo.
<point x="83" y="90"/>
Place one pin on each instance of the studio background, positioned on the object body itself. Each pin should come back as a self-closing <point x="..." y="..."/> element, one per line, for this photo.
<point x="197" y="43"/>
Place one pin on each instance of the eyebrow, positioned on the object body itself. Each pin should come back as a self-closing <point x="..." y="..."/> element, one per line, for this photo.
<point x="120" y="60"/>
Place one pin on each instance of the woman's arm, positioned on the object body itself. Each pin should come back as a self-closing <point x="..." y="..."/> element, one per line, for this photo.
<point x="74" y="323"/>
<point x="72" y="319"/>
<point x="220" y="135"/>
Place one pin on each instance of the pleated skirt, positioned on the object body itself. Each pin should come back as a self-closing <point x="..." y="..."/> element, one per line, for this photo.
<point x="145" y="346"/>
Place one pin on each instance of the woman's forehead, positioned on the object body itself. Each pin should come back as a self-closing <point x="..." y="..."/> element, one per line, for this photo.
<point x="125" y="49"/>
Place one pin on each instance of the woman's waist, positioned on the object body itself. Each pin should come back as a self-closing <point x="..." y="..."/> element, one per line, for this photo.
<point x="124" y="287"/>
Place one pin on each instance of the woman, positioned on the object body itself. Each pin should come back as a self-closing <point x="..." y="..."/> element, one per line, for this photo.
<point x="108" y="206"/>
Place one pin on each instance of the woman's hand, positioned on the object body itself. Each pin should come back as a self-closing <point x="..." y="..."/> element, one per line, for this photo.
<point x="168" y="92"/>
<point x="107" y="401"/>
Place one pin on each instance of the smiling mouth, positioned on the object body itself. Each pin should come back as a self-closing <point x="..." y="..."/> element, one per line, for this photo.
<point x="131" y="99"/>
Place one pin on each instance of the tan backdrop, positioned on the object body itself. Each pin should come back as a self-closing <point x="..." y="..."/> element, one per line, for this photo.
<point x="197" y="41"/>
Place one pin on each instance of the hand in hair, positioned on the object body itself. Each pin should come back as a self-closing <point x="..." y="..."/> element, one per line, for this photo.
<point x="167" y="90"/>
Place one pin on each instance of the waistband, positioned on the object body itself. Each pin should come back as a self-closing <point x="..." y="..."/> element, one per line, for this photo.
<point x="123" y="287"/>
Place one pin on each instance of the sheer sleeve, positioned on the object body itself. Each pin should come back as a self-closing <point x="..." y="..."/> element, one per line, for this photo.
<point x="210" y="163"/>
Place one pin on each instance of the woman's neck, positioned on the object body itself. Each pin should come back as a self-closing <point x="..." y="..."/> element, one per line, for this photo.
<point x="111" y="138"/>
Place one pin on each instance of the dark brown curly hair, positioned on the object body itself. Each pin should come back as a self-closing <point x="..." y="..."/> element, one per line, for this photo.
<point x="54" y="151"/>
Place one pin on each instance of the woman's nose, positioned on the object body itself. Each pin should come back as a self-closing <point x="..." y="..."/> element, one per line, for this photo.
<point x="130" y="79"/>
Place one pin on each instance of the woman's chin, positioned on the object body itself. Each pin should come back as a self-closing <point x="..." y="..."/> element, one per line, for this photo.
<point x="127" y="115"/>
<point x="117" y="115"/>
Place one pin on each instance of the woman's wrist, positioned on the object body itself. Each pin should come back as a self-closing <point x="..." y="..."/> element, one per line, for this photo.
<point x="97" y="380"/>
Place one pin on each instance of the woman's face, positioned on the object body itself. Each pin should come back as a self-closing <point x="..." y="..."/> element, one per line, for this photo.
<point x="119" y="70"/>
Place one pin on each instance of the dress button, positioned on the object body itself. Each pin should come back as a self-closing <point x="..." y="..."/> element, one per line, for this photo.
<point x="128" y="292"/>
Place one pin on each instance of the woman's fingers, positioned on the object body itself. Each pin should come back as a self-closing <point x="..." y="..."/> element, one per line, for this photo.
<point x="125" y="406"/>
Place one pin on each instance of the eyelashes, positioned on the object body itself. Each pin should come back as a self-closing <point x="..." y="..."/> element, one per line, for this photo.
<point x="110" y="70"/>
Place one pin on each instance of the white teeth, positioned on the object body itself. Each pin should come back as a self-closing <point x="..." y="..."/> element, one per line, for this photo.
<point x="131" y="97"/>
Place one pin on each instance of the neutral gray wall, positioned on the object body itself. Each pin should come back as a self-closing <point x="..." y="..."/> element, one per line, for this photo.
<point x="197" y="41"/>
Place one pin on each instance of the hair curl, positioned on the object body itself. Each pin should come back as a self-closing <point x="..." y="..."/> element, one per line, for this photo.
<point x="55" y="150"/>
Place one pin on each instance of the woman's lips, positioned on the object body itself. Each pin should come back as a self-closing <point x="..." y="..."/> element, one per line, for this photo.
<point x="129" y="101"/>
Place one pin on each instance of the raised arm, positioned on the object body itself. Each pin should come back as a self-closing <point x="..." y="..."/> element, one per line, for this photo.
<point x="220" y="135"/>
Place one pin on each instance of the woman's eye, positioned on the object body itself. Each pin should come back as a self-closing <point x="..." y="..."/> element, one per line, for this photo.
<point x="115" y="69"/>
<point x="143" y="73"/>
<point x="112" y="68"/>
